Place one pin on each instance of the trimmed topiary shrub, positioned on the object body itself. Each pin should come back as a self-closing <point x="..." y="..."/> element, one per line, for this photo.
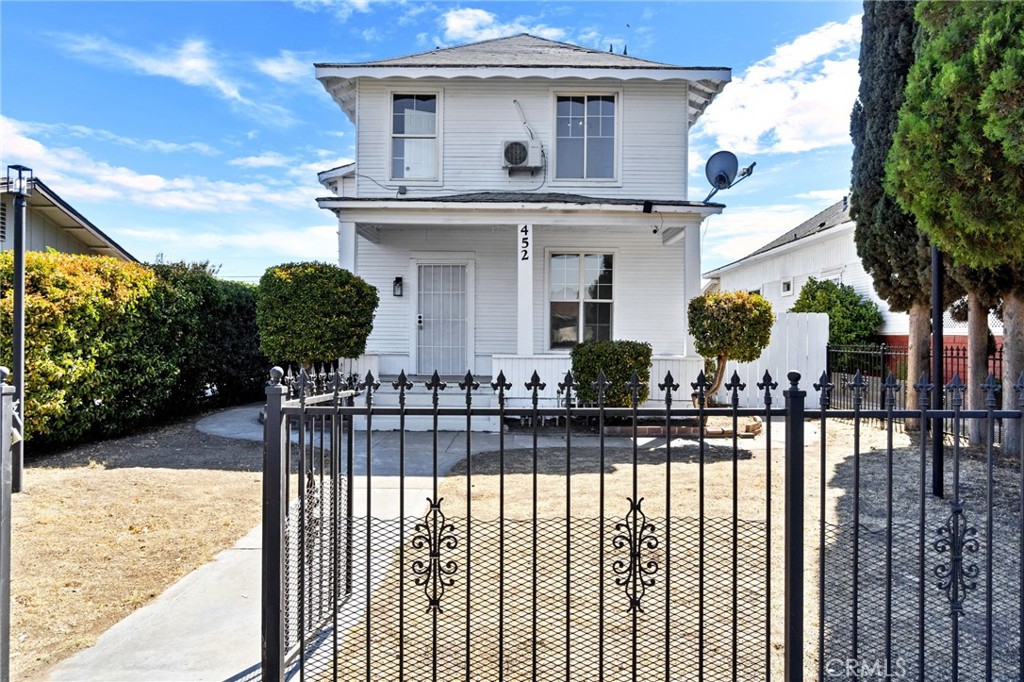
<point x="309" y="312"/>
<point x="730" y="325"/>
<point x="618" y="359"/>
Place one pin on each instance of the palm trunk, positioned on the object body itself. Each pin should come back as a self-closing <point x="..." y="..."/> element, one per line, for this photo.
<point x="917" y="356"/>
<point x="1013" y="366"/>
<point x="977" y="364"/>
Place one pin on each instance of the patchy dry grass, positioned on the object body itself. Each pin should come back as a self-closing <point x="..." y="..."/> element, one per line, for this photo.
<point x="92" y="544"/>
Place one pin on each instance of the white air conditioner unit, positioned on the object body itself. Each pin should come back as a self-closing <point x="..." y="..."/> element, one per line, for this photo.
<point x="524" y="154"/>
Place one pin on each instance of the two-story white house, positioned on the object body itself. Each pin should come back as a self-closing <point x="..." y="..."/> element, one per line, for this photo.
<point x="513" y="197"/>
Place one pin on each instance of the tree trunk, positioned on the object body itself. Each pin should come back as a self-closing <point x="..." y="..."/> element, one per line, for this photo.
<point x="1013" y="365"/>
<point x="977" y="364"/>
<point x="917" y="356"/>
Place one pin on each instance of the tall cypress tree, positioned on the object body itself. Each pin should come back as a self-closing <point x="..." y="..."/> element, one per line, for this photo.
<point x="892" y="249"/>
<point x="957" y="160"/>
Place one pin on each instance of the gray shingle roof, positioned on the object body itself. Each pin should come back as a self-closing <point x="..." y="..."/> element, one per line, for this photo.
<point x="522" y="50"/>
<point x="836" y="214"/>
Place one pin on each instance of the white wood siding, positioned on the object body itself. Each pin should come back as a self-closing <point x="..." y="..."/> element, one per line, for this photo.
<point x="648" y="287"/>
<point x="477" y="115"/>
<point x="41" y="233"/>
<point x="833" y="254"/>
<point x="647" y="282"/>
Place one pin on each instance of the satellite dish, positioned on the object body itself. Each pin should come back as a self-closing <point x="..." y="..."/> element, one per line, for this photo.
<point x="721" y="169"/>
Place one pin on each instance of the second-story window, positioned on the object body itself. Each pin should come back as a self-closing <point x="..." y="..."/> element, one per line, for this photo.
<point x="585" y="137"/>
<point x="414" y="137"/>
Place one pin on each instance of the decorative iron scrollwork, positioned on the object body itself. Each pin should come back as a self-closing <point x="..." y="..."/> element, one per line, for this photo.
<point x="636" y="534"/>
<point x="956" y="578"/>
<point x="434" y="533"/>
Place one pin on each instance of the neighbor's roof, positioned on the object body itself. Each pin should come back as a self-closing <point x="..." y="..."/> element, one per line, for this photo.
<point x="836" y="214"/>
<point x="47" y="202"/>
<point x="521" y="56"/>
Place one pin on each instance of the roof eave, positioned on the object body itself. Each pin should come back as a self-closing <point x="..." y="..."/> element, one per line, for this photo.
<point x="705" y="83"/>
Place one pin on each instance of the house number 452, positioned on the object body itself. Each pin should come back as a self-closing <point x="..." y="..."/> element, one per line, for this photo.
<point x="524" y="243"/>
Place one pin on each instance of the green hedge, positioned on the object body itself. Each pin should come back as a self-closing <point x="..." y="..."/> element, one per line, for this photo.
<point x="111" y="346"/>
<point x="618" y="359"/>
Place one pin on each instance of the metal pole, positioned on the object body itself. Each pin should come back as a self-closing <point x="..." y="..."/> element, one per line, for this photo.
<point x="275" y="482"/>
<point x="18" y="346"/>
<point x="794" y="524"/>
<point x="6" y="412"/>
<point x="937" y="373"/>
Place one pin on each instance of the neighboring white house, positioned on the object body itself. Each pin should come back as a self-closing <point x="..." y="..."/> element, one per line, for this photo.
<point x="822" y="247"/>
<point x="515" y="196"/>
<point x="52" y="223"/>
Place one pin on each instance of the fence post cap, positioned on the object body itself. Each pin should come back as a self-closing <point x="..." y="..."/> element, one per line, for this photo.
<point x="276" y="374"/>
<point x="794" y="377"/>
<point x="4" y="373"/>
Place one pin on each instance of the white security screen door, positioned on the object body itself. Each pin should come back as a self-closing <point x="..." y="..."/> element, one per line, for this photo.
<point x="442" y="322"/>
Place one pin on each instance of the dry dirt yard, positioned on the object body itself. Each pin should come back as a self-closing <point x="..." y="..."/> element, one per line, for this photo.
<point x="101" y="529"/>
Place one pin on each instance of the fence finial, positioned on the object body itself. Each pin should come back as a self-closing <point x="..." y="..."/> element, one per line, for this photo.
<point x="924" y="389"/>
<point x="955" y="389"/>
<point x="735" y="386"/>
<point x="991" y="387"/>
<point x="4" y="373"/>
<point x="434" y="385"/>
<point x="501" y="384"/>
<point x="669" y="385"/>
<point x="767" y="385"/>
<point x="825" y="387"/>
<point x="276" y="375"/>
<point x="890" y="387"/>
<point x="601" y="385"/>
<point x="401" y="385"/>
<point x="469" y="384"/>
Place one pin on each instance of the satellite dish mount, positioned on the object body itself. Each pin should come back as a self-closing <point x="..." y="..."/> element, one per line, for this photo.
<point x="723" y="171"/>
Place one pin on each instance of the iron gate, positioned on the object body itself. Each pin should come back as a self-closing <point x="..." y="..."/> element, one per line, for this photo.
<point x="545" y="553"/>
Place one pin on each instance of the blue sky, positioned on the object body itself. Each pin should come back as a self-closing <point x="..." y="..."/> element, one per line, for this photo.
<point x="195" y="129"/>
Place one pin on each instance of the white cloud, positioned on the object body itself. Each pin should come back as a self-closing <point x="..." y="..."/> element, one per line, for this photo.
<point x="342" y="9"/>
<point x="372" y="35"/>
<point x="467" y="25"/>
<point x="192" y="64"/>
<point x="306" y="243"/>
<point x="830" y="196"/>
<point x="286" y="67"/>
<point x="84" y="132"/>
<point x="740" y="231"/>
<point x="82" y="177"/>
<point x="798" y="99"/>
<point x="265" y="160"/>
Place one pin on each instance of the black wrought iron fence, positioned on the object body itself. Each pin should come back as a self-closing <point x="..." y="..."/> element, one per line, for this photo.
<point x="874" y="362"/>
<point x="536" y="554"/>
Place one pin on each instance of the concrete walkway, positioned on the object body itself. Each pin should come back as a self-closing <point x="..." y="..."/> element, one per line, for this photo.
<point x="207" y="625"/>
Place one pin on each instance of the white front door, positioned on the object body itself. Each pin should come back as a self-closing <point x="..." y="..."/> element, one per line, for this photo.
<point x="442" y="321"/>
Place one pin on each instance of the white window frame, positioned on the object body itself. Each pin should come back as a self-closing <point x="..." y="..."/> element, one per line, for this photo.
<point x="551" y="251"/>
<point x="438" y="93"/>
<point x="782" y="286"/>
<point x="615" y="180"/>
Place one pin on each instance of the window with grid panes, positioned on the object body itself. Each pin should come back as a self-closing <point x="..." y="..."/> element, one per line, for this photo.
<point x="585" y="137"/>
<point x="580" y="298"/>
<point x="414" y="137"/>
